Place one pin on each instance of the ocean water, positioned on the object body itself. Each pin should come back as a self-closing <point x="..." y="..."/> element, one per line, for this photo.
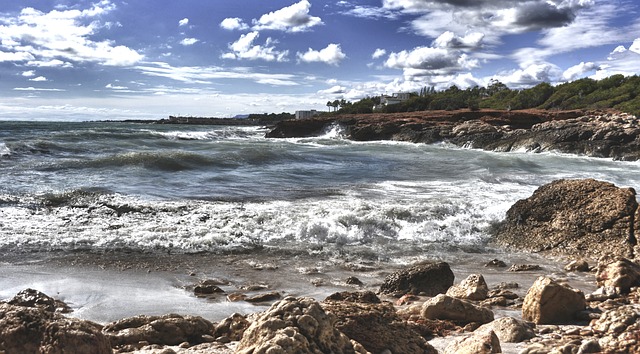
<point x="98" y="187"/>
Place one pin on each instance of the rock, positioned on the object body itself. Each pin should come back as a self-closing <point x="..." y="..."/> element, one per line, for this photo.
<point x="169" y="329"/>
<point x="37" y="299"/>
<point x="429" y="279"/>
<point x="620" y="329"/>
<point x="579" y="265"/>
<point x="266" y="297"/>
<point x="28" y="330"/>
<point x="232" y="327"/>
<point x="366" y="297"/>
<point x="375" y="325"/>
<point x="294" y="326"/>
<point x="548" y="302"/>
<point x="480" y="342"/>
<point x="443" y="307"/>
<point x="523" y="268"/>
<point x="207" y="287"/>
<point x="354" y="281"/>
<point x="496" y="263"/>
<point x="474" y="287"/>
<point x="510" y="330"/>
<point x="572" y="217"/>
<point x="619" y="273"/>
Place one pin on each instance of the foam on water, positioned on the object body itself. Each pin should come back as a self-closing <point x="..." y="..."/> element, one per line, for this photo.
<point x="4" y="150"/>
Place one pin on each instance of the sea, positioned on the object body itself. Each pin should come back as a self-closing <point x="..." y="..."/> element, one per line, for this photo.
<point x="71" y="190"/>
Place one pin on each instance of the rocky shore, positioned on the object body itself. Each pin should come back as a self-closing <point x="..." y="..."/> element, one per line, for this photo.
<point x="417" y="309"/>
<point x="592" y="133"/>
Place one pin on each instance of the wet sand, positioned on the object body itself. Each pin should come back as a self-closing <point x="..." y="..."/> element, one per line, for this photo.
<point x="111" y="286"/>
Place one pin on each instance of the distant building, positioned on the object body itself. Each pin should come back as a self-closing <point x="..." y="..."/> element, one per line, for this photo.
<point x="395" y="98"/>
<point x="306" y="114"/>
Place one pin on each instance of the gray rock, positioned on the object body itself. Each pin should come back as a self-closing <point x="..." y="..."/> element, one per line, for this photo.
<point x="510" y="330"/>
<point x="429" y="279"/>
<point x="443" y="307"/>
<point x="480" y="342"/>
<point x="474" y="287"/>
<point x="548" y="302"/>
<point x="169" y="329"/>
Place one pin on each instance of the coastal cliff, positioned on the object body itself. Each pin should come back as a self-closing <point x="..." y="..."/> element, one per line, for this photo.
<point x="606" y="134"/>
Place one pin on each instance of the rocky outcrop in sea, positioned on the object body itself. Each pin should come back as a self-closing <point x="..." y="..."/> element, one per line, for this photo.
<point x="592" y="133"/>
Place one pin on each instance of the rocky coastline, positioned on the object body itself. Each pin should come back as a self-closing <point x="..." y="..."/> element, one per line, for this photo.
<point x="607" y="134"/>
<point x="417" y="309"/>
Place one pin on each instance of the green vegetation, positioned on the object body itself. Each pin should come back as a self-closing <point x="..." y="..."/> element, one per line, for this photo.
<point x="265" y="118"/>
<point x="617" y="91"/>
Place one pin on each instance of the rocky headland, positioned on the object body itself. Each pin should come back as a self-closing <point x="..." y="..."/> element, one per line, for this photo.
<point x="418" y="309"/>
<point x="592" y="133"/>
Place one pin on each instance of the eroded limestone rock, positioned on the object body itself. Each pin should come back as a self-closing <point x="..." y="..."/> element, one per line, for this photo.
<point x="443" y="307"/>
<point x="548" y="302"/>
<point x="429" y="279"/>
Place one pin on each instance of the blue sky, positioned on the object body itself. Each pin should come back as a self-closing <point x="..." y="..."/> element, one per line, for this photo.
<point x="120" y="59"/>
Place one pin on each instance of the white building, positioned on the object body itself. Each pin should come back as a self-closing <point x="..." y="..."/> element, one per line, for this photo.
<point x="394" y="98"/>
<point x="306" y="114"/>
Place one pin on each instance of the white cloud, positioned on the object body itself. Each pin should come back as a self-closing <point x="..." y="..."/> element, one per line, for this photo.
<point x="233" y="23"/>
<point x="189" y="41"/>
<point x="39" y="79"/>
<point x="37" y="89"/>
<point x="530" y="75"/>
<point x="331" y="55"/>
<point x="294" y="18"/>
<point x="244" y="48"/>
<point x="429" y="60"/>
<point x="183" y="22"/>
<point x="578" y="71"/>
<point x="335" y="90"/>
<point x="620" y="61"/>
<point x="54" y="63"/>
<point x="204" y="75"/>
<point x="15" y="56"/>
<point x="29" y="73"/>
<point x="379" y="53"/>
<point x="116" y="87"/>
<point x="63" y="35"/>
<point x="448" y="39"/>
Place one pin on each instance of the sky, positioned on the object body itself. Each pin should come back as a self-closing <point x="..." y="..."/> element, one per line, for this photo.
<point x="137" y="59"/>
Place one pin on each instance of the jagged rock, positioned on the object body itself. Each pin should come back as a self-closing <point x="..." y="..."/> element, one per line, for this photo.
<point x="480" y="342"/>
<point x="27" y="330"/>
<point x="618" y="272"/>
<point x="429" y="279"/>
<point x="496" y="263"/>
<point x="232" y="327"/>
<point x="572" y="217"/>
<point x="294" y="326"/>
<point x="474" y="287"/>
<point x="266" y="297"/>
<point x="620" y="329"/>
<point x="510" y="330"/>
<point x="443" y="307"/>
<point x="366" y="297"/>
<point x="207" y="287"/>
<point x="548" y="302"/>
<point x="35" y="298"/>
<point x="578" y="265"/>
<point x="523" y="268"/>
<point x="374" y="324"/>
<point x="169" y="329"/>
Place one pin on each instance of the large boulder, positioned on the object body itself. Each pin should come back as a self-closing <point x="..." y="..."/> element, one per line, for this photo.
<point x="509" y="329"/>
<point x="572" y="217"/>
<point x="28" y="330"/>
<point x="374" y="324"/>
<point x="474" y="287"/>
<point x="294" y="326"/>
<point x="428" y="279"/>
<point x="480" y="342"/>
<point x="618" y="273"/>
<point x="443" y="307"/>
<point x="548" y="302"/>
<point x="169" y="329"/>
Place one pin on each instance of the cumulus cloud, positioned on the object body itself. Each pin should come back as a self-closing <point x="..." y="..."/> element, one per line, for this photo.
<point x="422" y="61"/>
<point x="39" y="79"/>
<point x="62" y="34"/>
<point x="621" y="60"/>
<point x="189" y="41"/>
<point x="233" y="23"/>
<point x="335" y="90"/>
<point x="183" y="22"/>
<point x="530" y="75"/>
<point x="379" y="53"/>
<point x="449" y="40"/>
<point x="578" y="71"/>
<point x="294" y="18"/>
<point x="28" y="73"/>
<point x="244" y="48"/>
<point x="331" y="55"/>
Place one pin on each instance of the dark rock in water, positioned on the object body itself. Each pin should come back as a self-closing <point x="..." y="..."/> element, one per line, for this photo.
<point x="165" y="330"/>
<point x="207" y="287"/>
<point x="37" y="299"/>
<point x="365" y="297"/>
<point x="354" y="281"/>
<point x="429" y="279"/>
<point x="524" y="268"/>
<point x="295" y="326"/>
<point x="496" y="263"/>
<point x="573" y="217"/>
<point x="579" y="265"/>
<point x="28" y="330"/>
<point x="272" y="296"/>
<point x="375" y="325"/>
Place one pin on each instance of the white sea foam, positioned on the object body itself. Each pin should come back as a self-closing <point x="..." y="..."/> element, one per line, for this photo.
<point x="4" y="150"/>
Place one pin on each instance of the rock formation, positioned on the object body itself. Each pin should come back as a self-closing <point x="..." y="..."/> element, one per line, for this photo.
<point x="510" y="330"/>
<point x="618" y="273"/>
<point x="294" y="326"/>
<point x="479" y="342"/>
<point x="599" y="133"/>
<point x="474" y="287"/>
<point x="428" y="279"/>
<point x="573" y="217"/>
<point x="548" y="302"/>
<point x="443" y="307"/>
